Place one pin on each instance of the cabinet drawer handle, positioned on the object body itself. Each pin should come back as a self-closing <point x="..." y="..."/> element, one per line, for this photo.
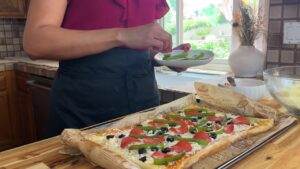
<point x="33" y="83"/>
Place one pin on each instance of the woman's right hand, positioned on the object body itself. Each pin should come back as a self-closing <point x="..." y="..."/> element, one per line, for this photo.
<point x="150" y="36"/>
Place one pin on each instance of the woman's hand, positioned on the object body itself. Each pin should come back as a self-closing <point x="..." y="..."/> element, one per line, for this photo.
<point x="186" y="47"/>
<point x="150" y="36"/>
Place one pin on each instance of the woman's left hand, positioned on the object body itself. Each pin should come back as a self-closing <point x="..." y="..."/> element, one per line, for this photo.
<point x="186" y="47"/>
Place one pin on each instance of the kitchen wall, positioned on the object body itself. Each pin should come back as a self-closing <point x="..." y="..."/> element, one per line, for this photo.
<point x="279" y="54"/>
<point x="11" y="37"/>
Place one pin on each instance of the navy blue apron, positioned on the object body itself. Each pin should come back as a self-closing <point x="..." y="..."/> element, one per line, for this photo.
<point x="101" y="87"/>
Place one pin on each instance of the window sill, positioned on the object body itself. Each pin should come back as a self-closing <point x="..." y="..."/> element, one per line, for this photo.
<point x="184" y="82"/>
<point x="216" y="67"/>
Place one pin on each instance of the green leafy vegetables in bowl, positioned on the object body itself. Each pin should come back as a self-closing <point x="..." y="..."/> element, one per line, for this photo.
<point x="183" y="56"/>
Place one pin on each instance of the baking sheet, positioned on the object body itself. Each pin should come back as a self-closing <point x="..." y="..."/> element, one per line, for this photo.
<point x="221" y="160"/>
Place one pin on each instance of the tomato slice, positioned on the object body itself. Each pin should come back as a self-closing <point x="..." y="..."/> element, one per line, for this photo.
<point x="128" y="140"/>
<point x="154" y="140"/>
<point x="201" y="135"/>
<point x="136" y="132"/>
<point x="159" y="154"/>
<point x="190" y="123"/>
<point x="182" y="146"/>
<point x="229" y="128"/>
<point x="161" y="138"/>
<point x="173" y="129"/>
<point x="182" y="129"/>
<point x="191" y="113"/>
<point x="214" y="118"/>
<point x="156" y="124"/>
<point x="182" y="122"/>
<point x="241" y="120"/>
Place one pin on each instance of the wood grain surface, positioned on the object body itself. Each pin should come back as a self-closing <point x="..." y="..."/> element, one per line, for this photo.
<point x="281" y="153"/>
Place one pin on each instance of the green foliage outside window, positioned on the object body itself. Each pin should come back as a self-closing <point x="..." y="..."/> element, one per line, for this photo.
<point x="221" y="47"/>
<point x="207" y="28"/>
<point x="190" y="24"/>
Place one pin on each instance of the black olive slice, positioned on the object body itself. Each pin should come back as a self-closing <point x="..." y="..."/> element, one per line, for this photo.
<point x="170" y="139"/>
<point x="109" y="137"/>
<point x="143" y="159"/>
<point x="166" y="150"/>
<point x="121" y="135"/>
<point x="213" y="135"/>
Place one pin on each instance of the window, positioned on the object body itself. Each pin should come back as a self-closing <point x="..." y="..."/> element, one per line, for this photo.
<point x="201" y="23"/>
<point x="205" y="24"/>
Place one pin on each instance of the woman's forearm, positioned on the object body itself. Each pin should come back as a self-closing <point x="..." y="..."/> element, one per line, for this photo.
<point x="50" y="42"/>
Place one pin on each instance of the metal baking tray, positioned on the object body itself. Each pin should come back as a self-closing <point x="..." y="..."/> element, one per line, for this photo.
<point x="231" y="162"/>
<point x="255" y="147"/>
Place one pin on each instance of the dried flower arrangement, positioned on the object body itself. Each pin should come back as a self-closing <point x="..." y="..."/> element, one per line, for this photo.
<point x="248" y="23"/>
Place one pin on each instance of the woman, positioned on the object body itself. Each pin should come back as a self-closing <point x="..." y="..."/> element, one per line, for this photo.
<point x="105" y="68"/>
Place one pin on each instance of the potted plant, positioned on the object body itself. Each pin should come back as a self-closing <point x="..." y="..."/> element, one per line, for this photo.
<point x="246" y="60"/>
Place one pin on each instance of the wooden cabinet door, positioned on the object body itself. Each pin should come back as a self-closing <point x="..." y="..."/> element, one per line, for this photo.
<point x="13" y="8"/>
<point x="28" y="121"/>
<point x="6" y="134"/>
<point x="10" y="128"/>
<point x="16" y="120"/>
<point x="24" y="107"/>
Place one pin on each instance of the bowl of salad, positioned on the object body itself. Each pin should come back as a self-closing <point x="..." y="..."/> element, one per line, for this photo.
<point x="283" y="84"/>
<point x="182" y="59"/>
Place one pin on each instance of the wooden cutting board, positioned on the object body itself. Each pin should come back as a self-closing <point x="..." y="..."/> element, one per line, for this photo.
<point x="283" y="152"/>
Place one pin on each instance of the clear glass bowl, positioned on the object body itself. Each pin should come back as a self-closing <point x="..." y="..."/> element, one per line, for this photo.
<point x="283" y="83"/>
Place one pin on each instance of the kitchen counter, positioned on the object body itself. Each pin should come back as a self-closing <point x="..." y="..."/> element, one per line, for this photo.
<point x="44" y="68"/>
<point x="283" y="152"/>
<point x="166" y="80"/>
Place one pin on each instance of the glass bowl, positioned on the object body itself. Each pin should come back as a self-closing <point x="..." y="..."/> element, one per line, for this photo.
<point x="283" y="83"/>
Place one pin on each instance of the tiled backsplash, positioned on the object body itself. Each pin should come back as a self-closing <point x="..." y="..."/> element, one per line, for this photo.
<point x="279" y="54"/>
<point x="11" y="37"/>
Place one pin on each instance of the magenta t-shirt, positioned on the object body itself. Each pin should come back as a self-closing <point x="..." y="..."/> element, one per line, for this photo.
<point x="100" y="14"/>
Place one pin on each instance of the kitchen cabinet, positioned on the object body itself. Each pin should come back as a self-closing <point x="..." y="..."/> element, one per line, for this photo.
<point x="20" y="123"/>
<point x="24" y="106"/>
<point x="33" y="93"/>
<point x="39" y="88"/>
<point x="5" y="134"/>
<point x="10" y="133"/>
<point x="13" y="8"/>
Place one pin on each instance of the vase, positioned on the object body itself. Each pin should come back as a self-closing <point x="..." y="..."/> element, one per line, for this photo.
<point x="246" y="61"/>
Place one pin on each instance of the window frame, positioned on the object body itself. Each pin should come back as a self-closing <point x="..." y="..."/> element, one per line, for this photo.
<point x="261" y="43"/>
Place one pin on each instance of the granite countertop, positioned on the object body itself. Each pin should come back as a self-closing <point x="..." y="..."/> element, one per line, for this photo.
<point x="46" y="68"/>
<point x="7" y="65"/>
<point x="166" y="80"/>
<point x="13" y="60"/>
